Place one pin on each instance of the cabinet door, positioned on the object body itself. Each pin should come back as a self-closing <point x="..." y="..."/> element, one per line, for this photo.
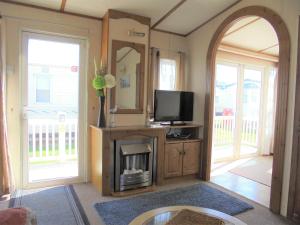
<point x="173" y="159"/>
<point x="191" y="158"/>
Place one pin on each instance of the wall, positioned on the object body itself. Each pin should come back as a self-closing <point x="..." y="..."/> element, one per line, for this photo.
<point x="118" y="30"/>
<point x="198" y="43"/>
<point x="168" y="42"/>
<point x="169" y="46"/>
<point x="18" y="18"/>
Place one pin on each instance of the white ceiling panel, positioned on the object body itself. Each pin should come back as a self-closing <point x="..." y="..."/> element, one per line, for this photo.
<point x="52" y="4"/>
<point x="193" y="13"/>
<point x="154" y="9"/>
<point x="243" y="22"/>
<point x="256" y="36"/>
<point x="95" y="8"/>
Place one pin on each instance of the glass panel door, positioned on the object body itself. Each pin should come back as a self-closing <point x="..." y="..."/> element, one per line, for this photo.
<point x="251" y="99"/>
<point x="225" y="111"/>
<point x="52" y="67"/>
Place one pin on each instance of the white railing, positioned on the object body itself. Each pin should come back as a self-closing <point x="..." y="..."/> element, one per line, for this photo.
<point x="224" y="127"/>
<point x="223" y="130"/>
<point x="250" y="132"/>
<point x="51" y="140"/>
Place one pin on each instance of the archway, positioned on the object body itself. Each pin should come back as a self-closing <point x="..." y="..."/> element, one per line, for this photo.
<point x="281" y="100"/>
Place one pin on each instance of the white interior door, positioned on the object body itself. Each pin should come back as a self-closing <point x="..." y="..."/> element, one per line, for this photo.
<point x="54" y="87"/>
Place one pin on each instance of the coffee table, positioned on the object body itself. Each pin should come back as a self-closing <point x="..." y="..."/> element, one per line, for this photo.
<point x="161" y="216"/>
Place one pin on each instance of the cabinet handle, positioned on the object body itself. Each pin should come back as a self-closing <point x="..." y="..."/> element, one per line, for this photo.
<point x="183" y="152"/>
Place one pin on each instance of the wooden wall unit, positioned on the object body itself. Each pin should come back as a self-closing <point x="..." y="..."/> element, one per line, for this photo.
<point x="115" y="26"/>
<point x="102" y="146"/>
<point x="174" y="158"/>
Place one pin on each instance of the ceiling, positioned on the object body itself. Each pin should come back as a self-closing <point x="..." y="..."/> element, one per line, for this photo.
<point x="175" y="16"/>
<point x="253" y="33"/>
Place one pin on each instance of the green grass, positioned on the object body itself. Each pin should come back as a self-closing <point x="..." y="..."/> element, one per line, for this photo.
<point x="42" y="158"/>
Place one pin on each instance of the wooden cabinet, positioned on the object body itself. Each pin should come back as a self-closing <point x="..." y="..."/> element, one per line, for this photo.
<point x="173" y="159"/>
<point x="182" y="158"/>
<point x="191" y="158"/>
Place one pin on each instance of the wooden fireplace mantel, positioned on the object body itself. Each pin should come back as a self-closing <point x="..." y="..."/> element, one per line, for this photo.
<point x="102" y="146"/>
<point x="175" y="158"/>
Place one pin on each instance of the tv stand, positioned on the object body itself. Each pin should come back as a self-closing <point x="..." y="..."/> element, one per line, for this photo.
<point x="183" y="151"/>
<point x="173" y="123"/>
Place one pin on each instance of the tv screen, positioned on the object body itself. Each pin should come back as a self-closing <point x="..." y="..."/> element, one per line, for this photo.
<point x="173" y="105"/>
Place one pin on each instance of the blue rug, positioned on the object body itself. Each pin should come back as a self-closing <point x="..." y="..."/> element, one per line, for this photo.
<point x="53" y="206"/>
<point x="122" y="212"/>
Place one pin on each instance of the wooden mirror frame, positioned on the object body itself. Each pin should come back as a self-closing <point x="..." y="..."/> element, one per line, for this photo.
<point x="140" y="48"/>
<point x="282" y="95"/>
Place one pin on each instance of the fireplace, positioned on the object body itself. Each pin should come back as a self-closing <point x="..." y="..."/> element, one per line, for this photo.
<point x="134" y="164"/>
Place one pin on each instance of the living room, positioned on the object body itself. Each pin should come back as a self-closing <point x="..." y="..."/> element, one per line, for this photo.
<point x="109" y="111"/>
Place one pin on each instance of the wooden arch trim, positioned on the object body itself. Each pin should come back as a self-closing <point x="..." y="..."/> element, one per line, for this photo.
<point x="281" y="101"/>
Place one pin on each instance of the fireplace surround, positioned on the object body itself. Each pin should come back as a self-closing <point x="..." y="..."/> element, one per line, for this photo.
<point x="134" y="163"/>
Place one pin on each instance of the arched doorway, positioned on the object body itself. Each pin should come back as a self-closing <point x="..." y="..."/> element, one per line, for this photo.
<point x="281" y="100"/>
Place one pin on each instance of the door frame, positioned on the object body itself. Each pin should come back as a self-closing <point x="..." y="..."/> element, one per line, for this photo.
<point x="282" y="95"/>
<point x="295" y="160"/>
<point x="82" y="108"/>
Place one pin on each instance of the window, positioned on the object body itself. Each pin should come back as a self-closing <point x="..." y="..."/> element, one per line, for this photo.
<point x="167" y="75"/>
<point x="42" y="89"/>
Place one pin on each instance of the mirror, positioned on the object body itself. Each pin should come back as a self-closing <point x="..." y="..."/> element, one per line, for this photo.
<point x="128" y="62"/>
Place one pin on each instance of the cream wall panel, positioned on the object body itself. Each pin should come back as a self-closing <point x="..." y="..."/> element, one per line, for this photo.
<point x="199" y="41"/>
<point x="170" y="44"/>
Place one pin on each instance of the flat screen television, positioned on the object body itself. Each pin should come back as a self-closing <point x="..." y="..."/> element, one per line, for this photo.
<point x="171" y="106"/>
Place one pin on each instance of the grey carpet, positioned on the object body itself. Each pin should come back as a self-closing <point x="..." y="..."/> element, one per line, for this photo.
<point x="122" y="212"/>
<point x="53" y="206"/>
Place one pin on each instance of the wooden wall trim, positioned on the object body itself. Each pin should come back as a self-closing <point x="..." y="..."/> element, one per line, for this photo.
<point x="296" y="142"/>
<point x="115" y="14"/>
<point x="63" y="5"/>
<point x="210" y="19"/>
<point x="168" y="13"/>
<point x="168" y="32"/>
<point x="50" y="10"/>
<point x="282" y="95"/>
<point x="265" y="49"/>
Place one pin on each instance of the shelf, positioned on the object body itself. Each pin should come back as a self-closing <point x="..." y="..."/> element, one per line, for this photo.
<point x="187" y="125"/>
<point x="175" y="140"/>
